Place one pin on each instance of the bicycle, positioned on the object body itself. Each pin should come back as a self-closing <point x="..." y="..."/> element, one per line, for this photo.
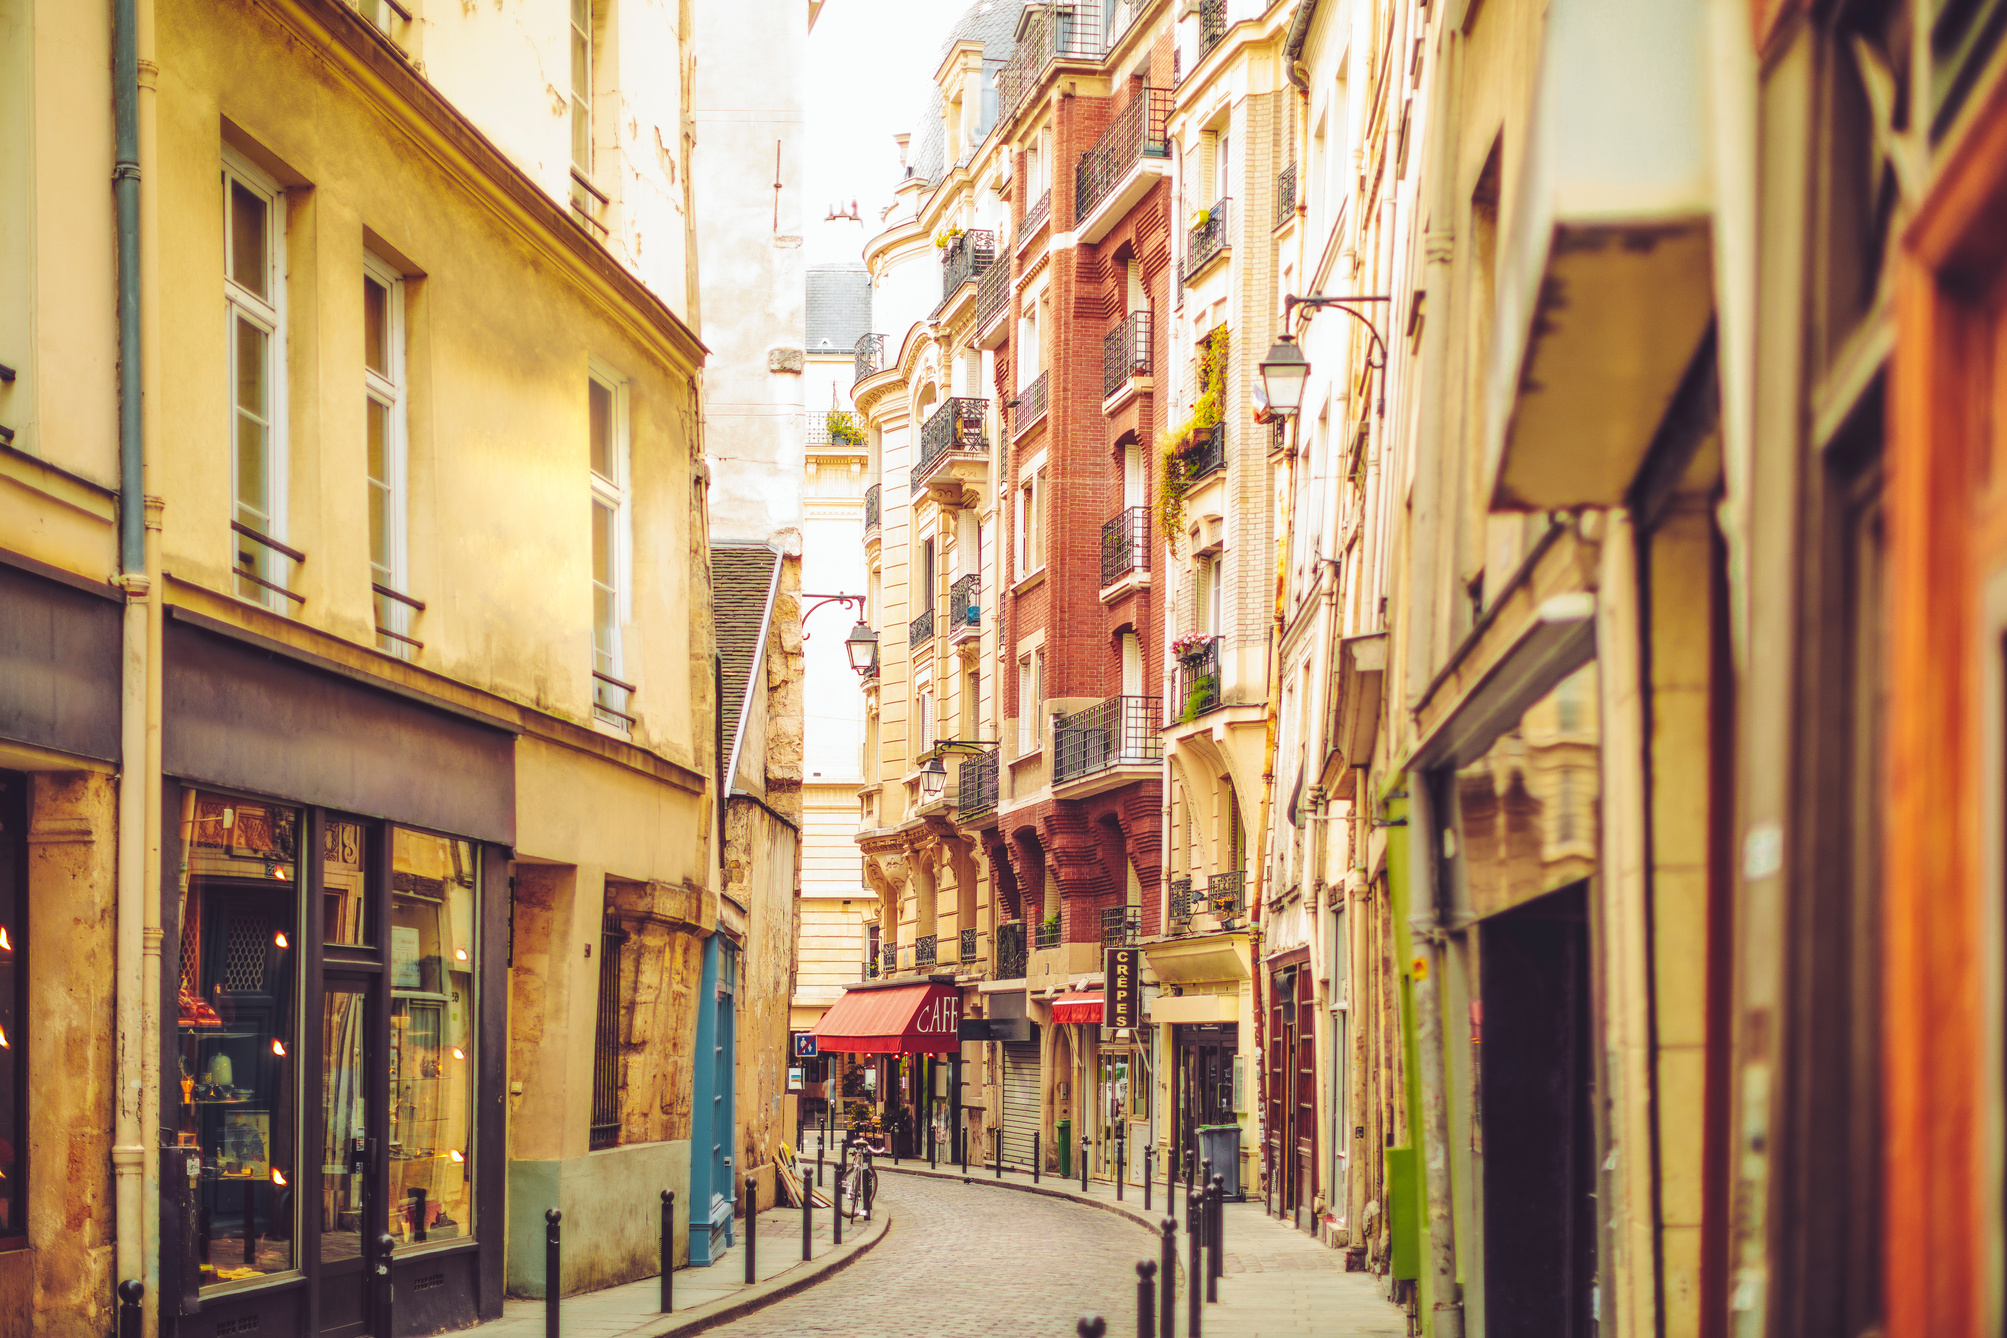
<point x="860" y="1178"/>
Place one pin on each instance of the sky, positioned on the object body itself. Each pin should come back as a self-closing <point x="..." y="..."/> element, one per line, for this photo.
<point x="870" y="66"/>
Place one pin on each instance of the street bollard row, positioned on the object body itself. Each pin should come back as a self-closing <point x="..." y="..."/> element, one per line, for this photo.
<point x="752" y="1231"/>
<point x="668" y="1250"/>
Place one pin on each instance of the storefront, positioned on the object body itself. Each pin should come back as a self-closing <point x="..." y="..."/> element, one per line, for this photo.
<point x="901" y="1030"/>
<point x="1203" y="1085"/>
<point x="335" y="915"/>
<point x="1290" y="1154"/>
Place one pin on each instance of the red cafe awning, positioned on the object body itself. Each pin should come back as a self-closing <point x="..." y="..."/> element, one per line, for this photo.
<point x="917" y="1019"/>
<point x="1077" y="1007"/>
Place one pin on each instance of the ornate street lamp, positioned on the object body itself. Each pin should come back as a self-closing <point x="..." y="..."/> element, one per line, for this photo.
<point x="862" y="643"/>
<point x="1283" y="373"/>
<point x="933" y="778"/>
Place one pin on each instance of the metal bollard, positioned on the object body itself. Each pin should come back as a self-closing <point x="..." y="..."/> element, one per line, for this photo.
<point x="807" y="1225"/>
<point x="964" y="1141"/>
<point x="1149" y="1173"/>
<point x="130" y="1317"/>
<point x="385" y="1244"/>
<point x="752" y="1229"/>
<point x="553" y="1271"/>
<point x="997" y="1138"/>
<point x="668" y="1250"/>
<point x="836" y="1208"/>
<point x="1036" y="1160"/>
<point x="1146" y="1298"/>
<point x="870" y="1186"/>
<point x="1212" y="1212"/>
<point x="1194" y="1267"/>
<point x="820" y="1139"/>
<point x="1083" y="1163"/>
<point x="1091" y="1326"/>
<point x="933" y="1150"/>
<point x="1167" y="1279"/>
<point x="1121" y="1163"/>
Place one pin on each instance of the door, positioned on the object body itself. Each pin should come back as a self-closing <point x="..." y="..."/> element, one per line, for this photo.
<point x="1111" y="1106"/>
<point x="1020" y="1101"/>
<point x="351" y="1163"/>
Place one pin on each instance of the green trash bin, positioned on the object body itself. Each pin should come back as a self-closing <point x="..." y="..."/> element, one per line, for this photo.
<point x="1066" y="1149"/>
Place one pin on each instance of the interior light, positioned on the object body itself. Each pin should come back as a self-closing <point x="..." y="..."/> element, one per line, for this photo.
<point x="6" y="943"/>
<point x="458" y="1053"/>
<point x="460" y="953"/>
<point x="3" y="1040"/>
<point x="455" y="1155"/>
<point x="279" y="1049"/>
<point x="278" y="1176"/>
<point x="280" y="939"/>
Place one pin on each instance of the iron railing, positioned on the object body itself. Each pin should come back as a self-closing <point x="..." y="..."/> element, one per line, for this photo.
<point x="1031" y="404"/>
<point x="1206" y="453"/>
<point x="968" y="946"/>
<point x="1205" y="241"/>
<point x="976" y="787"/>
<point x="1011" y="954"/>
<point x="1112" y="733"/>
<point x="1226" y="894"/>
<point x="1050" y="32"/>
<point x="1278" y="434"/>
<point x="1180" y="908"/>
<point x="924" y="950"/>
<point x="1198" y="683"/>
<point x="1120" y="926"/>
<point x="992" y="293"/>
<point x="890" y="958"/>
<point x="605" y="1131"/>
<point x="871" y="967"/>
<point x="868" y="358"/>
<point x="1136" y="133"/>
<point x="920" y="629"/>
<point x="965" y="610"/>
<point x="955" y="428"/>
<point x="871" y="495"/>
<point x="965" y="258"/>
<point x="1048" y="934"/>
<point x="1285" y="195"/>
<point x="1039" y="210"/>
<point x="1125" y="353"/>
<point x="1212" y="25"/>
<point x="1125" y="544"/>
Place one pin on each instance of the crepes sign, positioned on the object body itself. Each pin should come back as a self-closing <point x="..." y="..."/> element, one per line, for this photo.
<point x="1122" y="988"/>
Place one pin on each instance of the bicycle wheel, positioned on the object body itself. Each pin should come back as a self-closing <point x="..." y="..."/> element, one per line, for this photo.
<point x="869" y="1187"/>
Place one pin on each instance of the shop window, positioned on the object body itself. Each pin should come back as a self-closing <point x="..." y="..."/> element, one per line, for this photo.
<point x="433" y="929"/>
<point x="238" y="1031"/>
<point x="13" y="1006"/>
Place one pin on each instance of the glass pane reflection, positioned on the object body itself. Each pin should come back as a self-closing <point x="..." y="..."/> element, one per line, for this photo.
<point x="432" y="919"/>
<point x="345" y="1127"/>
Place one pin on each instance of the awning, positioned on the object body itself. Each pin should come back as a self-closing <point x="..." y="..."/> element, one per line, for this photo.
<point x="900" y="1020"/>
<point x="1077" y="1008"/>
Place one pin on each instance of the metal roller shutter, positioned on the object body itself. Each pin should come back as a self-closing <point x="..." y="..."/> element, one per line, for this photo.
<point x="1020" y="1101"/>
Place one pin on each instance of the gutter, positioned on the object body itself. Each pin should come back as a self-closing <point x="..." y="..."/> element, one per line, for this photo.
<point x="1292" y="43"/>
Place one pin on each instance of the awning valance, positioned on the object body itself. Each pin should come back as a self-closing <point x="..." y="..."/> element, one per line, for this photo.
<point x="1077" y="1008"/>
<point x="903" y="1020"/>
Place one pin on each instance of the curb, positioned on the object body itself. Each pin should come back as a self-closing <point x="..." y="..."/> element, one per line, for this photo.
<point x="777" y="1288"/>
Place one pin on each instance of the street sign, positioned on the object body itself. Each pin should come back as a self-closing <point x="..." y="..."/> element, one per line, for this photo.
<point x="805" y="1045"/>
<point x="1122" y="989"/>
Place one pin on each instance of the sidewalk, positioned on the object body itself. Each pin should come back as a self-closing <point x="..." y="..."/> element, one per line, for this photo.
<point x="1276" y="1282"/>
<point x="704" y="1297"/>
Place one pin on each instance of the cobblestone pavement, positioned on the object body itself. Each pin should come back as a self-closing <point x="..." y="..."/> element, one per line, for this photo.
<point x="970" y="1260"/>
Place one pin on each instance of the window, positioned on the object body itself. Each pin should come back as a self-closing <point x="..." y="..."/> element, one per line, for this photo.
<point x="383" y="378"/>
<point x="376" y="11"/>
<point x="607" y="405"/>
<point x="1027" y="708"/>
<point x="1031" y="524"/>
<point x="13" y="1004"/>
<point x="255" y="309"/>
<point x="606" y="1039"/>
<point x="581" y="85"/>
<point x="1212" y="594"/>
<point x="1132" y="665"/>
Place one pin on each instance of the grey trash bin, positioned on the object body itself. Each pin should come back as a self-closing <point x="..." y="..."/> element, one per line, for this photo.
<point x="1220" y="1145"/>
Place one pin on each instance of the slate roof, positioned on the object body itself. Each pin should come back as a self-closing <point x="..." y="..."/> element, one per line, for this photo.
<point x="839" y="307"/>
<point x="743" y="580"/>
<point x="994" y="24"/>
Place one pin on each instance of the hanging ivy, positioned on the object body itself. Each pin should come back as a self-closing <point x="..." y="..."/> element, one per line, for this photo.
<point x="1175" y="447"/>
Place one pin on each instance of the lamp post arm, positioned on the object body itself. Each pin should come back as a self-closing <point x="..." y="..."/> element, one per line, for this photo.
<point x="1317" y="301"/>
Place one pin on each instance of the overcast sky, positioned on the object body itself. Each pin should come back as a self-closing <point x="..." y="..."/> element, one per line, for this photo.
<point x="870" y="66"/>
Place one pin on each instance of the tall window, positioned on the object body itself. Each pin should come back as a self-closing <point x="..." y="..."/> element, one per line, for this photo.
<point x="581" y="85"/>
<point x="605" y="1132"/>
<point x="383" y="382"/>
<point x="1031" y="524"/>
<point x="1027" y="708"/>
<point x="608" y="414"/>
<point x="1212" y="594"/>
<point x="13" y="1001"/>
<point x="926" y="719"/>
<point x="252" y="296"/>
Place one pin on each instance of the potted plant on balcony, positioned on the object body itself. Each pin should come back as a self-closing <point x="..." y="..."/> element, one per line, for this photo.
<point x="1191" y="646"/>
<point x="843" y="428"/>
<point x="947" y="237"/>
<point x="1203" y="692"/>
<point x="1181" y="444"/>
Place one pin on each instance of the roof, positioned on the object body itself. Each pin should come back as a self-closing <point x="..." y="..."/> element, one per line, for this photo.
<point x="744" y="578"/>
<point x="994" y="24"/>
<point x="839" y="307"/>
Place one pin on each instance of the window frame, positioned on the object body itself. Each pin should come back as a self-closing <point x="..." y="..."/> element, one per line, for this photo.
<point x="612" y="702"/>
<point x="582" y="36"/>
<point x="268" y="313"/>
<point x="391" y="388"/>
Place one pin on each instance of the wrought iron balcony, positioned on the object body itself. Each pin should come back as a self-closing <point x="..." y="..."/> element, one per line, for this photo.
<point x="1051" y="32"/>
<point x="1120" y="926"/>
<point x="1136" y="133"/>
<point x="965" y="258"/>
<point x="1048" y="934"/>
<point x="1226" y="895"/>
<point x="1031" y="405"/>
<point x="1212" y="25"/>
<point x="992" y="294"/>
<point x="1285" y="195"/>
<point x="1112" y="733"/>
<point x="1206" y="241"/>
<point x="968" y="946"/>
<point x="891" y="958"/>
<point x="965" y="610"/>
<point x="920" y="629"/>
<point x="1125" y="353"/>
<point x="871" y="967"/>
<point x="1180" y="905"/>
<point x="1206" y="454"/>
<point x="868" y="358"/>
<point x="1197" y="689"/>
<point x="871" y="495"/>
<point x="976" y="788"/>
<point x="1011" y="954"/>
<point x="1039" y="211"/>
<point x="924" y="950"/>
<point x="956" y="428"/>
<point x="1125" y="544"/>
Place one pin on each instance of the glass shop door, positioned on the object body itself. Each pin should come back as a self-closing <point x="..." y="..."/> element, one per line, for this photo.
<point x="349" y="1148"/>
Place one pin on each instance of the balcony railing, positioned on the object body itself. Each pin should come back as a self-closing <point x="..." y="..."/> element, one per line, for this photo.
<point x="992" y="294"/>
<point x="920" y="629"/>
<point x="1180" y="908"/>
<point x="1052" y="32"/>
<point x="1120" y="926"/>
<point x="1113" y="733"/>
<point x="976" y="790"/>
<point x="1206" y="240"/>
<point x="1125" y="353"/>
<point x="965" y="610"/>
<point x="890" y="958"/>
<point x="1039" y="210"/>
<point x="1125" y="544"/>
<point x="1031" y="405"/>
<point x="955" y="428"/>
<point x="871" y="495"/>
<point x="1136" y="133"/>
<point x="1048" y="934"/>
<point x="965" y="259"/>
<point x="924" y="950"/>
<point x="1011" y="954"/>
<point x="1197" y="688"/>
<point x="1226" y="895"/>
<point x="871" y="967"/>
<point x="1206" y="454"/>
<point x="868" y="358"/>
<point x="1212" y="25"/>
<point x="967" y="946"/>
<point x="1285" y="195"/>
<point x="1278" y="434"/>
